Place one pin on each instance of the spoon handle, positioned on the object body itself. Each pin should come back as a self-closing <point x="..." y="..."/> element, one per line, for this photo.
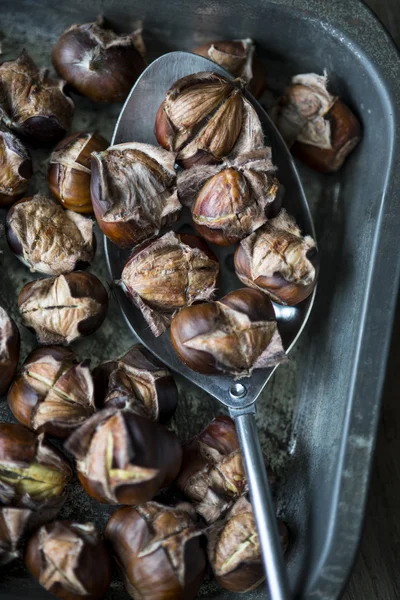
<point x="263" y="507"/>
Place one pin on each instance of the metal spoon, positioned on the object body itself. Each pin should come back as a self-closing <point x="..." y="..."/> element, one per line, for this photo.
<point x="136" y="123"/>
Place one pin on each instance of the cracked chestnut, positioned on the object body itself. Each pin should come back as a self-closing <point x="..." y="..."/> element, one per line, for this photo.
<point x="233" y="335"/>
<point x="139" y="382"/>
<point x="70" y="560"/>
<point x="13" y="526"/>
<point x="69" y="170"/>
<point x="15" y="168"/>
<point x="159" y="550"/>
<point x="53" y="392"/>
<point x="9" y="350"/>
<point x="64" y="308"/>
<point x="122" y="458"/>
<point x="47" y="238"/>
<point x="205" y="118"/>
<point x="277" y="260"/>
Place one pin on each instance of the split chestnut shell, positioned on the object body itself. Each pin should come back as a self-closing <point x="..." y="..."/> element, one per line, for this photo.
<point x="9" y="350"/>
<point x="15" y="168"/>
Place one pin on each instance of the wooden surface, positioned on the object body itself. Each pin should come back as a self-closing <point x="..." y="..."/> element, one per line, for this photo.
<point x="376" y="574"/>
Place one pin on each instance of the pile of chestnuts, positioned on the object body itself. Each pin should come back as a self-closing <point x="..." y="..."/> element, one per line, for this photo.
<point x="112" y="420"/>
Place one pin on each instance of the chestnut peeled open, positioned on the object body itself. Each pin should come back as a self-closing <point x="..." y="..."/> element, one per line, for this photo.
<point x="64" y="308"/>
<point x="133" y="190"/>
<point x="234" y="549"/>
<point x="70" y="560"/>
<point x="319" y="128"/>
<point x="99" y="63"/>
<point x="69" y="170"/>
<point x="9" y="350"/>
<point x="32" y="103"/>
<point x="277" y="260"/>
<point x="15" y="168"/>
<point x="159" y="551"/>
<point x="233" y="335"/>
<point x="139" y="382"/>
<point x="164" y="275"/>
<point x="47" y="238"/>
<point x="231" y="200"/>
<point x="122" y="458"/>
<point x="237" y="57"/>
<point x="13" y="525"/>
<point x="53" y="392"/>
<point x="205" y="118"/>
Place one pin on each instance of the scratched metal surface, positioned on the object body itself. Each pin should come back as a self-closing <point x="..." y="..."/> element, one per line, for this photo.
<point x="318" y="415"/>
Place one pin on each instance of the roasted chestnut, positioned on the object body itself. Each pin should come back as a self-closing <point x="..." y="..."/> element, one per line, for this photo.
<point x="320" y="129"/>
<point x="159" y="551"/>
<point x="64" y="308"/>
<point x="32" y="473"/>
<point x="13" y="524"/>
<point x="212" y="473"/>
<point x="53" y="392"/>
<point x="233" y="335"/>
<point x="69" y="170"/>
<point x="139" y="382"/>
<point x="164" y="275"/>
<point x="32" y="103"/>
<point x="133" y="191"/>
<point x="279" y="261"/>
<point x="70" y="560"/>
<point x="15" y="168"/>
<point x="234" y="549"/>
<point x="99" y="63"/>
<point x="122" y="458"/>
<point x="237" y="57"/>
<point x="230" y="202"/>
<point x="9" y="350"/>
<point x="205" y="118"/>
<point x="47" y="238"/>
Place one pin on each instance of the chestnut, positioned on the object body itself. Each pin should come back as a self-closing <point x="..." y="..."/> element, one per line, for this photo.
<point x="33" y="474"/>
<point x="237" y="57"/>
<point x="69" y="560"/>
<point x="53" y="392"/>
<point x="133" y="190"/>
<point x="234" y="549"/>
<point x="212" y="475"/>
<point x="164" y="275"/>
<point x="9" y="350"/>
<point x="230" y="201"/>
<point x="233" y="335"/>
<point x="47" y="238"/>
<point x="64" y="308"/>
<point x="279" y="261"/>
<point x="99" y="63"/>
<point x="205" y="118"/>
<point x="69" y="170"/>
<point x="33" y="104"/>
<point x="159" y="550"/>
<point x="13" y="525"/>
<point x="122" y="458"/>
<point x="139" y="382"/>
<point x="320" y="128"/>
<point x="15" y="168"/>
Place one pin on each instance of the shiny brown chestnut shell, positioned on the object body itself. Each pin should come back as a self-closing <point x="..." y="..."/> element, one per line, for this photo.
<point x="47" y="238"/>
<point x="122" y="458"/>
<point x="205" y="118"/>
<point x="277" y="260"/>
<point x="159" y="551"/>
<point x="53" y="392"/>
<point x="69" y="170"/>
<point x="62" y="309"/>
<point x="69" y="560"/>
<point x="139" y="382"/>
<point x="9" y="350"/>
<point x="233" y="335"/>
<point x="15" y="168"/>
<point x="237" y="57"/>
<point x="97" y="62"/>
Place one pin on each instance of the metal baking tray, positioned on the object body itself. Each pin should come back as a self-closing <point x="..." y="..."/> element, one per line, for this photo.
<point x="318" y="417"/>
